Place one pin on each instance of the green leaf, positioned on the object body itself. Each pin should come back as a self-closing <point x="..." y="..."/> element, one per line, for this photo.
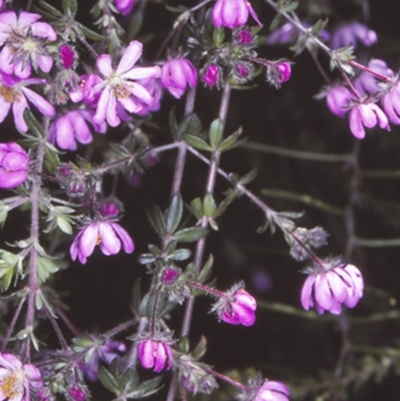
<point x="218" y="36"/>
<point x="135" y="26"/>
<point x="33" y="124"/>
<point x="205" y="272"/>
<point x="231" y="141"/>
<point x="108" y="380"/>
<point x="196" y="207"/>
<point x="3" y="213"/>
<point x="45" y="267"/>
<point x="215" y="133"/>
<point x="197" y="143"/>
<point x="288" y="8"/>
<point x="147" y="259"/>
<point x="129" y="381"/>
<point x="64" y="225"/>
<point x="180" y="254"/>
<point x="200" y="349"/>
<point x="275" y="22"/>
<point x="209" y="205"/>
<point x="157" y="220"/>
<point x="70" y="7"/>
<point x="190" y="125"/>
<point x="146" y="389"/>
<point x="174" y="213"/>
<point x="190" y="234"/>
<point x="52" y="11"/>
<point x="90" y="34"/>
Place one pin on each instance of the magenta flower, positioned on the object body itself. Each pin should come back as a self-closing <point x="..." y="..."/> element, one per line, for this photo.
<point x="272" y="391"/>
<point x="14" y="92"/>
<point x="14" y="165"/>
<point x="329" y="286"/>
<point x="368" y="83"/>
<point x="338" y="100"/>
<point x="67" y="56"/>
<point x="211" y="75"/>
<point x="232" y="13"/>
<point x="239" y="309"/>
<point x="285" y="69"/>
<point x="107" y="234"/>
<point x="352" y="34"/>
<point x="391" y="104"/>
<point x="244" y="37"/>
<point x="177" y="74"/>
<point x="369" y="115"/>
<point x="156" y="355"/>
<point x="23" y="38"/>
<point x="17" y="379"/>
<point x="124" y="6"/>
<point x="117" y="86"/>
<point x="77" y="393"/>
<point x="72" y="127"/>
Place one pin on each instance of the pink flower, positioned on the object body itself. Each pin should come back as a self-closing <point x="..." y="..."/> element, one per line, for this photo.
<point x="77" y="393"/>
<point x="14" y="92"/>
<point x="338" y="100"/>
<point x="352" y="34"/>
<point x="124" y="6"/>
<point x="153" y="86"/>
<point x="367" y="114"/>
<point x="177" y="74"/>
<point x="391" y="103"/>
<point x="17" y="379"/>
<point x="211" y="75"/>
<point x="330" y="286"/>
<point x="240" y="309"/>
<point x="14" y="165"/>
<point x="232" y="13"/>
<point x="272" y="391"/>
<point x="155" y="355"/>
<point x="67" y="56"/>
<point x="108" y="235"/>
<point x="286" y="71"/>
<point x="23" y="37"/>
<point x="117" y="86"/>
<point x="72" y="127"/>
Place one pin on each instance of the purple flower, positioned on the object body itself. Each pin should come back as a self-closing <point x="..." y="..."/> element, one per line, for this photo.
<point x="153" y="86"/>
<point x="239" y="309"/>
<point x="272" y="391"/>
<point x="368" y="83"/>
<point x="352" y="34"/>
<point x="107" y="234"/>
<point x="369" y="115"/>
<point x="286" y="71"/>
<point x="117" y="86"/>
<point x="156" y="355"/>
<point x="14" y="92"/>
<point x="105" y="353"/>
<point x="23" y="38"/>
<point x="329" y="286"/>
<point x="124" y="6"/>
<point x="110" y="208"/>
<point x="177" y="74"/>
<point x="211" y="74"/>
<point x="391" y="104"/>
<point x="338" y="100"/>
<point x="244" y="37"/>
<point x="72" y="127"/>
<point x="17" y="379"/>
<point x="14" y="165"/>
<point x="232" y="13"/>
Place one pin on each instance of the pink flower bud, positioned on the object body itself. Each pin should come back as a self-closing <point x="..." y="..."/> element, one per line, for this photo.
<point x="177" y="74"/>
<point x="14" y="165"/>
<point x="338" y="100"/>
<point x="272" y="391"/>
<point x="211" y="75"/>
<point x="244" y="37"/>
<point x="240" y="310"/>
<point x="67" y="56"/>
<point x="77" y="394"/>
<point x="232" y="13"/>
<point x="286" y="71"/>
<point x="155" y="355"/>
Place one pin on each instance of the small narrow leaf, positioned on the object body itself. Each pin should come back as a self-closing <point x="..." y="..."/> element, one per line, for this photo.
<point x="215" y="133"/>
<point x="157" y="220"/>
<point x="108" y="380"/>
<point x="190" y="234"/>
<point x="33" y="124"/>
<point x="197" y="143"/>
<point x="174" y="214"/>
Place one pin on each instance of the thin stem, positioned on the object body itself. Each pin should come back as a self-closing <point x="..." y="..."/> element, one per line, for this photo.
<point x="372" y="72"/>
<point x="121" y="327"/>
<point x="68" y="323"/>
<point x="56" y="328"/>
<point x="351" y="86"/>
<point x="226" y="379"/>
<point x="154" y="314"/>
<point x="204" y="288"/>
<point x="10" y="328"/>
<point x="34" y="237"/>
<point x="320" y="68"/>
<point x="308" y="250"/>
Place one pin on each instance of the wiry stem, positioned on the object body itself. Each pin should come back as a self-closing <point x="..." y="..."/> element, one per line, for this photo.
<point x="10" y="328"/>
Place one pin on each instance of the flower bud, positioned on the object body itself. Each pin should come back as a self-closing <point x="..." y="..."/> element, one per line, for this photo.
<point x="239" y="308"/>
<point x="338" y="100"/>
<point x="211" y="75"/>
<point x="67" y="56"/>
<point x="177" y="74"/>
<point x="14" y="165"/>
<point x="286" y="71"/>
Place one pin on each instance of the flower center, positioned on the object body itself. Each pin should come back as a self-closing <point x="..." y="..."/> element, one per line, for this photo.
<point x="11" y="386"/>
<point x="9" y="94"/>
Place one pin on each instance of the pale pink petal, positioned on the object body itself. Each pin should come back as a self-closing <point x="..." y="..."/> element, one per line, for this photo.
<point x="64" y="133"/>
<point x="323" y="296"/>
<point x="4" y="109"/>
<point x="141" y="93"/>
<point x="81" y="129"/>
<point x="43" y="30"/>
<point x="18" y="109"/>
<point x="126" y="240"/>
<point x="25" y="19"/>
<point x="45" y="63"/>
<point x="22" y="70"/>
<point x="110" y="244"/>
<point x="102" y="105"/>
<point x="104" y="65"/>
<point x="41" y="104"/>
<point x="160" y="357"/>
<point x="9" y="19"/>
<point x="142" y="73"/>
<point x="131" y="55"/>
<point x="306" y="292"/>
<point x="6" y="57"/>
<point x="88" y="240"/>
